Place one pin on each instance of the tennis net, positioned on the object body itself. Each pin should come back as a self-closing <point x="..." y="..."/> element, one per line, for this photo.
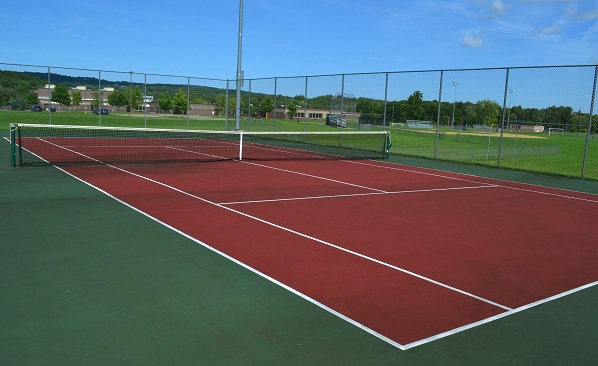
<point x="33" y="144"/>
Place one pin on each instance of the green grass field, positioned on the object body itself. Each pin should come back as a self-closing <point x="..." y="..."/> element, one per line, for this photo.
<point x="535" y="152"/>
<point x="155" y="121"/>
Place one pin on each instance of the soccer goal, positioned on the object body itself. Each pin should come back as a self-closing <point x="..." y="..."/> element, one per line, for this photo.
<point x="555" y="130"/>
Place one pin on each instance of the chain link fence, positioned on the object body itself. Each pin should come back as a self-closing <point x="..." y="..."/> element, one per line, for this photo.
<point x="539" y="119"/>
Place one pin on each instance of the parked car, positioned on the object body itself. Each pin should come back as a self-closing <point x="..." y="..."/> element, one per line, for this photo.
<point x="36" y="108"/>
<point x="103" y="111"/>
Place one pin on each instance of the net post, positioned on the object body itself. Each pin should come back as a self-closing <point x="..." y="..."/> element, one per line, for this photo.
<point x="240" y="145"/>
<point x="388" y="145"/>
<point x="13" y="149"/>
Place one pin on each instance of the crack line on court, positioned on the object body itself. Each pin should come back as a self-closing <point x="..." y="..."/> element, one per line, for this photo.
<point x="193" y="315"/>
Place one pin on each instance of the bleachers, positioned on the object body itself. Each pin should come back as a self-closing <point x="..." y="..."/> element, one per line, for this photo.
<point x="419" y="124"/>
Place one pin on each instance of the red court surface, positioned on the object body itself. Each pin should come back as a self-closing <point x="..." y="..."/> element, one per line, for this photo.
<point x="407" y="254"/>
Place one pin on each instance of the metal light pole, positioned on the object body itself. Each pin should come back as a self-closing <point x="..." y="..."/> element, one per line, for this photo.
<point x="455" y="84"/>
<point x="239" y="71"/>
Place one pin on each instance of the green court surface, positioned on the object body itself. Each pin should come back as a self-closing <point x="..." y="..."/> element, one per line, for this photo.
<point x="87" y="280"/>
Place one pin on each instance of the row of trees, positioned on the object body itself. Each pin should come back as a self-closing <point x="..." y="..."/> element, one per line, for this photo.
<point x="483" y="112"/>
<point x="486" y="112"/>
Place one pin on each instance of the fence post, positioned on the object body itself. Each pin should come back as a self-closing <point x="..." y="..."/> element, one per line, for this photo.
<point x="385" y="102"/>
<point x="274" y="112"/>
<point x="100" y="97"/>
<point x="342" y="95"/>
<point x="249" y="107"/>
<point x="305" y="107"/>
<point x="188" y="100"/>
<point x="130" y="93"/>
<point x="438" y="115"/>
<point x="226" y="108"/>
<point x="502" y="119"/>
<point x="49" y="98"/>
<point x="145" y="103"/>
<point x="589" y="131"/>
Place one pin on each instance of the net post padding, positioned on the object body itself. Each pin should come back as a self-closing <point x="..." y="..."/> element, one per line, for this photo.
<point x="240" y="145"/>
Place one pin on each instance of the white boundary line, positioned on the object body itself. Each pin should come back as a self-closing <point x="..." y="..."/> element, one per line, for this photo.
<point x="496" y="317"/>
<point x="313" y="301"/>
<point x="508" y="311"/>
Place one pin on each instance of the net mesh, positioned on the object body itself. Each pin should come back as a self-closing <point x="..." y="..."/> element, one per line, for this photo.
<point x="62" y="145"/>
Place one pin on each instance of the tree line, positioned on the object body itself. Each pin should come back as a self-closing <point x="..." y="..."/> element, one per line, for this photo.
<point x="483" y="112"/>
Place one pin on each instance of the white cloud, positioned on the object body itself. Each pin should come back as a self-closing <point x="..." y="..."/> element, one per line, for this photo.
<point x="498" y="9"/>
<point x="548" y="31"/>
<point x="473" y="40"/>
<point x="589" y="15"/>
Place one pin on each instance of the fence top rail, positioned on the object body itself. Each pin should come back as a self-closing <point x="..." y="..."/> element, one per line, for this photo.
<point x="306" y="76"/>
<point x="425" y="71"/>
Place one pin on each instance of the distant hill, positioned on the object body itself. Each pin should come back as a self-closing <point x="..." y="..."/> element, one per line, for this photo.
<point x="15" y="85"/>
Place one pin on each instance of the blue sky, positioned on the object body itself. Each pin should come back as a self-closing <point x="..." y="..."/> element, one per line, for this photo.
<point x="290" y="38"/>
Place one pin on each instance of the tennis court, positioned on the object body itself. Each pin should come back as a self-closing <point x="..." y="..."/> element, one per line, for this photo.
<point x="406" y="255"/>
